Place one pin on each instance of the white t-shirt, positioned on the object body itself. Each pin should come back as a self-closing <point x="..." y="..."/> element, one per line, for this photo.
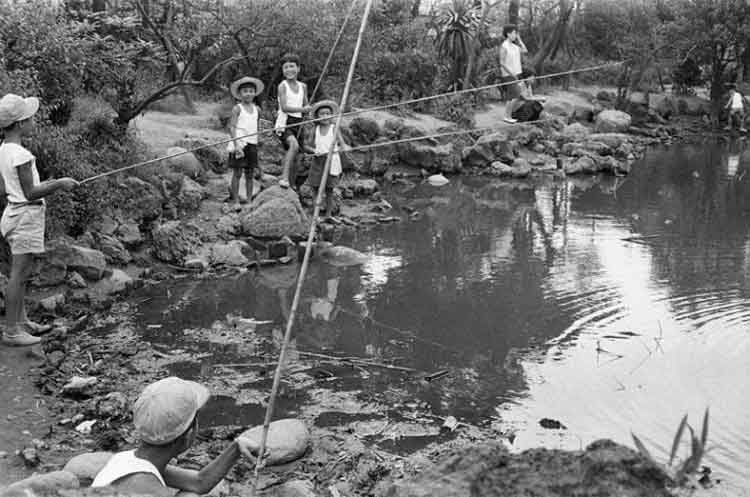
<point x="323" y="144"/>
<point x="247" y="124"/>
<point x="124" y="464"/>
<point x="737" y="101"/>
<point x="510" y="56"/>
<point x="13" y="155"/>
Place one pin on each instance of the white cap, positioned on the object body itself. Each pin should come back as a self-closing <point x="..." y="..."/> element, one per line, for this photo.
<point x="14" y="108"/>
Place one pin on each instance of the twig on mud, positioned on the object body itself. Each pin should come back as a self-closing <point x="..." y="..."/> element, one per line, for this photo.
<point x="357" y="361"/>
<point x="246" y="364"/>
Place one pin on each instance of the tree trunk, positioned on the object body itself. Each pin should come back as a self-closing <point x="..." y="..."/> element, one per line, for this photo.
<point x="476" y="47"/>
<point x="554" y="40"/>
<point x="513" y="8"/>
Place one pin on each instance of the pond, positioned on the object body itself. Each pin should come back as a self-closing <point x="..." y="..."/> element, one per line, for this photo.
<point x="608" y="304"/>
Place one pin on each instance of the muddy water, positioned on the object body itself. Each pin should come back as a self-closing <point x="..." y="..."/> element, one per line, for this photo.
<point x="610" y="305"/>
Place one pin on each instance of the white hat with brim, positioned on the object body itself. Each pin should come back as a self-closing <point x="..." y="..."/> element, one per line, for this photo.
<point x="235" y="88"/>
<point x="322" y="104"/>
<point x="14" y="108"/>
<point x="167" y="408"/>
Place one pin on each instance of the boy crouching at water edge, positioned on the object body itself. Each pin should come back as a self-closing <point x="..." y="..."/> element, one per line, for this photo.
<point x="244" y="126"/>
<point x="166" y="422"/>
<point x="293" y="105"/>
<point x="22" y="223"/>
<point x="324" y="141"/>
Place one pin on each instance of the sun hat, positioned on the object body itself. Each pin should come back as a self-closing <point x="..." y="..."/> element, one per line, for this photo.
<point x="14" y="108"/>
<point x="322" y="104"/>
<point x="235" y="88"/>
<point x="166" y="409"/>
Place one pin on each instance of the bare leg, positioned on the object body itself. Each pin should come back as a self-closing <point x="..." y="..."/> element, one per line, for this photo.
<point x="249" y="184"/>
<point x="234" y="192"/>
<point x="14" y="311"/>
<point x="289" y="158"/>
<point x="509" y="110"/>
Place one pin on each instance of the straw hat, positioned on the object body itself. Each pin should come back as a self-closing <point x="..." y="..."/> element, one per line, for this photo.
<point x="324" y="103"/>
<point x="235" y="88"/>
<point x="166" y="409"/>
<point x="14" y="108"/>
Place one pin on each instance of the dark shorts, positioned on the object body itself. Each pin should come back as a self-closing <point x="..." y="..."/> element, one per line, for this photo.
<point x="511" y="91"/>
<point x="296" y="132"/>
<point x="248" y="162"/>
<point x="315" y="175"/>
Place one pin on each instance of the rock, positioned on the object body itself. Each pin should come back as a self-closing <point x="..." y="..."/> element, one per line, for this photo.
<point x="364" y="187"/>
<point x="490" y="148"/>
<point x="49" y="271"/>
<point x="575" y="111"/>
<point x="500" y="169"/>
<point x="113" y="249"/>
<point x="612" y="140"/>
<point x="434" y="158"/>
<point x="79" y="385"/>
<point x="342" y="256"/>
<point x="228" y="226"/>
<point x="268" y="180"/>
<point x="186" y="164"/>
<point x="606" y="96"/>
<point x="438" y="180"/>
<point x="46" y="484"/>
<point x="663" y="104"/>
<point x="30" y="457"/>
<point x="88" y="262"/>
<point x="75" y="280"/>
<point x="229" y="254"/>
<point x="288" y="440"/>
<point x="174" y="240"/>
<point x="363" y="130"/>
<point x="525" y="134"/>
<point x="197" y="262"/>
<point x="190" y="196"/>
<point x="582" y="165"/>
<point x="85" y="427"/>
<point x="114" y="405"/>
<point x="400" y="171"/>
<point x="521" y="168"/>
<point x="576" y="131"/>
<point x="293" y="488"/>
<point x="275" y="213"/>
<point x="117" y="282"/>
<point x="53" y="302"/>
<point x="129" y="234"/>
<point x="485" y="470"/>
<point x="612" y="121"/>
<point x="86" y="466"/>
<point x="141" y="200"/>
<point x="106" y="225"/>
<point x="214" y="158"/>
<point x="694" y="106"/>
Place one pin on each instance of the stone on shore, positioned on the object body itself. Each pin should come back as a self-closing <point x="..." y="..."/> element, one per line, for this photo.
<point x="45" y="484"/>
<point x="113" y="249"/>
<point x="174" y="240"/>
<point x="275" y="213"/>
<point x="612" y="121"/>
<point x="139" y="200"/>
<point x="88" y="262"/>
<point x="230" y="253"/>
<point x="86" y="466"/>
<point x="490" y="148"/>
<point x="191" y="195"/>
<point x="186" y="164"/>
<point x="288" y="440"/>
<point x="129" y="234"/>
<point x="433" y="158"/>
<point x="211" y="157"/>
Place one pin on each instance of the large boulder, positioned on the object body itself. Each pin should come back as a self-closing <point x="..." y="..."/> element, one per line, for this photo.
<point x="139" y="200"/>
<point x="113" y="249"/>
<point x="186" y="164"/>
<point x="44" y="484"/>
<point x="230" y="253"/>
<point x="363" y="130"/>
<point x="191" y="195"/>
<point x="433" y="158"/>
<point x="490" y="148"/>
<point x="612" y="121"/>
<point x="275" y="213"/>
<point x="485" y="470"/>
<point x="582" y="165"/>
<point x="664" y="104"/>
<point x="89" y="263"/>
<point x="173" y="240"/>
<point x="288" y="440"/>
<point x="86" y="466"/>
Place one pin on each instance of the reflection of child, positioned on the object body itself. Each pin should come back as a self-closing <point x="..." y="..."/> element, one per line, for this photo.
<point x="323" y="308"/>
<point x="736" y="106"/>
<point x="324" y="141"/>
<point x="243" y="150"/>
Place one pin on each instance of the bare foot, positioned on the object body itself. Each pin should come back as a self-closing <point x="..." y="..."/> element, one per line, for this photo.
<point x="19" y="338"/>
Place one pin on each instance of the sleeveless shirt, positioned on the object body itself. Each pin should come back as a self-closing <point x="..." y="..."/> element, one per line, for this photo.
<point x="292" y="100"/>
<point x="323" y="143"/>
<point x="247" y="123"/>
<point x="124" y="464"/>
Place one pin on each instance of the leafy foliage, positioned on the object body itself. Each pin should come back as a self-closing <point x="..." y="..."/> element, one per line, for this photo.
<point x="458" y="26"/>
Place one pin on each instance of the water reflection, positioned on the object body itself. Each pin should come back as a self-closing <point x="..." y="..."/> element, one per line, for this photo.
<point x="611" y="304"/>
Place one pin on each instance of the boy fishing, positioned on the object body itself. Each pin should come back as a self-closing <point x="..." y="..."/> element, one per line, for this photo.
<point x="243" y="150"/>
<point x="293" y="104"/>
<point x="22" y="223"/>
<point x="324" y="142"/>
<point x="166" y="424"/>
<point x="736" y="107"/>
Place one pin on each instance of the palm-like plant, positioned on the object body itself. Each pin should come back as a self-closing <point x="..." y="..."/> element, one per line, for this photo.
<point x="457" y="25"/>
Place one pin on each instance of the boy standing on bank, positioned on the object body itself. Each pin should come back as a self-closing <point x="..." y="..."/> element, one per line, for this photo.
<point x="293" y="104"/>
<point x="510" y="68"/>
<point x="324" y="142"/>
<point x="22" y="223"/>
<point x="736" y="107"/>
<point x="244" y="126"/>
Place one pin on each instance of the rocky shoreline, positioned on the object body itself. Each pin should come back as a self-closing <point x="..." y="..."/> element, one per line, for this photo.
<point x="171" y="224"/>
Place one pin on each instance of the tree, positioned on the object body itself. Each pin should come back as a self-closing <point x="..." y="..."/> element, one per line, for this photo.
<point x="458" y="27"/>
<point x="556" y="37"/>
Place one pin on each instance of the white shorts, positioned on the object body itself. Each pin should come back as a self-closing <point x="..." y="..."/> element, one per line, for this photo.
<point x="22" y="225"/>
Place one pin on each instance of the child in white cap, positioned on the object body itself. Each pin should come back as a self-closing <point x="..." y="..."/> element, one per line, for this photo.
<point x="166" y="422"/>
<point x="22" y="223"/>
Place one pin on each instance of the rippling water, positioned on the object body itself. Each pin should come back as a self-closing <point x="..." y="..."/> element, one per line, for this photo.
<point x="611" y="305"/>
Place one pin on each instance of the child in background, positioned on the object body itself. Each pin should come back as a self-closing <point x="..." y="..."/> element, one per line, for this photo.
<point x="293" y="104"/>
<point x="22" y="223"/>
<point x="324" y="141"/>
<point x="243" y="150"/>
<point x="736" y="106"/>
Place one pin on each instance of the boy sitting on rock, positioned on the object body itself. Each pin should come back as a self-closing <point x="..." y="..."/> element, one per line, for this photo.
<point x="166" y="422"/>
